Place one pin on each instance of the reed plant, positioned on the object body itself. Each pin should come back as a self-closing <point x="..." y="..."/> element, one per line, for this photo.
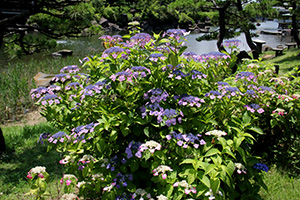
<point x="16" y="81"/>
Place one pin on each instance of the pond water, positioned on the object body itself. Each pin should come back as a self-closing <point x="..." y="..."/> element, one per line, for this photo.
<point x="89" y="45"/>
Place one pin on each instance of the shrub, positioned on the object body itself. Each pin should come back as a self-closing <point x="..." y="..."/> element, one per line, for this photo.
<point x="152" y="120"/>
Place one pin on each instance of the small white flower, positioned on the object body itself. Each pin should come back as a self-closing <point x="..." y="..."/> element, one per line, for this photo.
<point x="79" y="184"/>
<point x="162" y="197"/>
<point x="38" y="170"/>
<point x="216" y="133"/>
<point x="70" y="196"/>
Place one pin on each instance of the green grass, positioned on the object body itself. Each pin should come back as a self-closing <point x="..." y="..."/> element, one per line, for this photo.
<point x="24" y="153"/>
<point x="287" y="62"/>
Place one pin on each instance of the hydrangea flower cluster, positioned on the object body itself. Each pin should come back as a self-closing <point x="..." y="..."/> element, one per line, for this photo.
<point x="216" y="133"/>
<point x="113" y="163"/>
<point x="211" y="194"/>
<point x="162" y="197"/>
<point x="162" y="169"/>
<point x="240" y="168"/>
<point x="73" y="85"/>
<point x="190" y="100"/>
<point x="245" y="75"/>
<point x="50" y="99"/>
<point x="254" y="107"/>
<point x="141" y="38"/>
<point x="231" y="43"/>
<point x="68" y="178"/>
<point x="175" y="32"/>
<point x="261" y="166"/>
<point x="279" y="111"/>
<point x="36" y="170"/>
<point x="61" y="78"/>
<point x="214" y="94"/>
<point x="140" y="71"/>
<point x="111" y="39"/>
<point x="151" y="145"/>
<point x="132" y="146"/>
<point x="121" y="180"/>
<point x="212" y="55"/>
<point x="185" y="139"/>
<point x="113" y="51"/>
<point x="195" y="74"/>
<point x="122" y="76"/>
<point x="79" y="132"/>
<point x="155" y="56"/>
<point x="142" y="193"/>
<point x="70" y="69"/>
<point x="85" y="160"/>
<point x="66" y="160"/>
<point x="38" y="92"/>
<point x="69" y="196"/>
<point x="59" y="136"/>
<point x="187" y="187"/>
<point x="43" y="137"/>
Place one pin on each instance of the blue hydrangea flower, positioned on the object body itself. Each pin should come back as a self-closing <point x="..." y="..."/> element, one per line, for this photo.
<point x="261" y="166"/>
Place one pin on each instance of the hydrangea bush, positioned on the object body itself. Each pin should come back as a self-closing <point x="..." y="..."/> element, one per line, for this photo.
<point x="151" y="121"/>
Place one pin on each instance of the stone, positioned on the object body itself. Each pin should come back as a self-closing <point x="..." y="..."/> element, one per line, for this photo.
<point x="42" y="79"/>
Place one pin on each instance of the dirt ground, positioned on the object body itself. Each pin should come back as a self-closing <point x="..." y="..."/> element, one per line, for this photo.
<point x="30" y="118"/>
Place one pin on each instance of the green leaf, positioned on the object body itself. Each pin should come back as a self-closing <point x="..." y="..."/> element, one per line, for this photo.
<point x="246" y="119"/>
<point x="215" y="184"/>
<point x="257" y="130"/>
<point x="173" y="60"/>
<point x="146" y="131"/>
<point x="113" y="135"/>
<point x="169" y="189"/>
<point x="212" y="152"/>
<point x="191" y="176"/>
<point x="134" y="166"/>
<point x="206" y="181"/>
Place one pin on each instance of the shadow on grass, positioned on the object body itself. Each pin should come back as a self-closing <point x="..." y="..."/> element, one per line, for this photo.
<point x="23" y="153"/>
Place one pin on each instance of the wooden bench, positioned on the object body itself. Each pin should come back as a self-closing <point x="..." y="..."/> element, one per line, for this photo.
<point x="278" y="51"/>
<point x="291" y="44"/>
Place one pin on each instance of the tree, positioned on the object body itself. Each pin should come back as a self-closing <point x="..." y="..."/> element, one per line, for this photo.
<point x="294" y="7"/>
<point x="234" y="18"/>
<point x="53" y="18"/>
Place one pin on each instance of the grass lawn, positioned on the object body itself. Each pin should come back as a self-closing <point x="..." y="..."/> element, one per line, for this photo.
<point x="287" y="62"/>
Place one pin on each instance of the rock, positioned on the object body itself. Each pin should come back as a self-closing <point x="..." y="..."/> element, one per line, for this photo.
<point x="266" y="48"/>
<point x="63" y="53"/>
<point x="103" y="22"/>
<point x="43" y="80"/>
<point x="114" y="27"/>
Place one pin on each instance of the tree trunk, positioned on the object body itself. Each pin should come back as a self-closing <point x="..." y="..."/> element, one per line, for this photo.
<point x="222" y="25"/>
<point x="2" y="142"/>
<point x="295" y="25"/>
<point x="250" y="43"/>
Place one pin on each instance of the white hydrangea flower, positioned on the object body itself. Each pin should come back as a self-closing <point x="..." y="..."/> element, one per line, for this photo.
<point x="216" y="133"/>
<point x="87" y="159"/>
<point x="162" y="169"/>
<point x="240" y="168"/>
<point x="79" y="184"/>
<point x="38" y="170"/>
<point x="162" y="197"/>
<point x="70" y="196"/>
<point x="151" y="145"/>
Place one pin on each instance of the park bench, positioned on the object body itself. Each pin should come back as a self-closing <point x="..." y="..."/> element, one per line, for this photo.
<point x="279" y="50"/>
<point x="291" y="44"/>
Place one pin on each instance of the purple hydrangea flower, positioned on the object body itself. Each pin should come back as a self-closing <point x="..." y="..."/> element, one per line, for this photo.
<point x="70" y="69"/>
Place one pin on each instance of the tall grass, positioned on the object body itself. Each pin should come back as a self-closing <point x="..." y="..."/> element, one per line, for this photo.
<point x="16" y="81"/>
